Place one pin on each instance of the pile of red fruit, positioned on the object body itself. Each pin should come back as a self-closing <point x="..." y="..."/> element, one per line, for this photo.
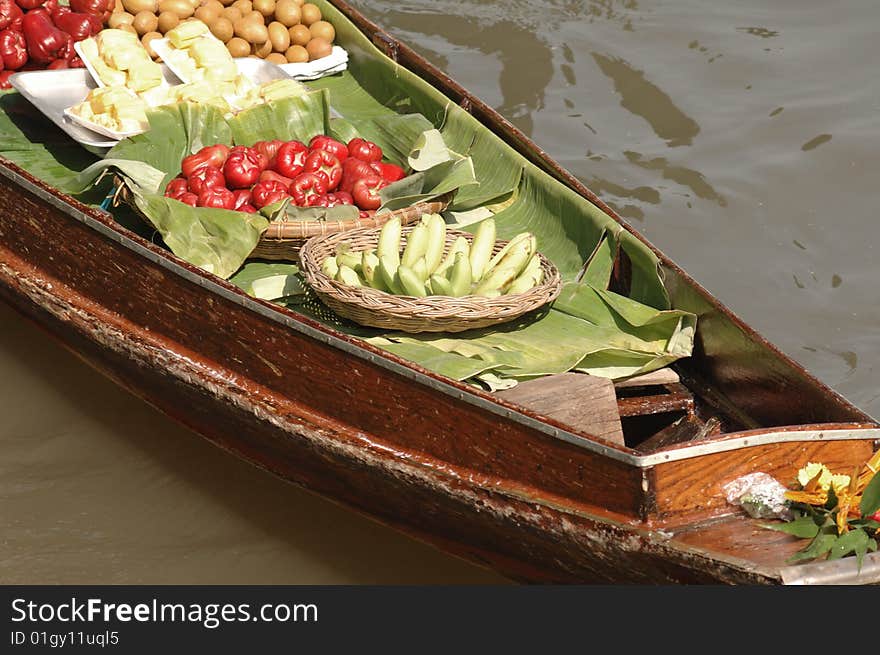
<point x="37" y="34"/>
<point x="324" y="173"/>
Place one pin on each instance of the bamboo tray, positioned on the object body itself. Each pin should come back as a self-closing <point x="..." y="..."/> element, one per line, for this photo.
<point x="375" y="308"/>
<point x="284" y="239"/>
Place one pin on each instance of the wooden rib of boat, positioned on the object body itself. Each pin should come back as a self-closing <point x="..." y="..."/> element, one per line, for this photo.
<point x="539" y="489"/>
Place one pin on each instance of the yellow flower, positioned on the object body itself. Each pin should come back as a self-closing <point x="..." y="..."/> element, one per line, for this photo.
<point x="826" y="478"/>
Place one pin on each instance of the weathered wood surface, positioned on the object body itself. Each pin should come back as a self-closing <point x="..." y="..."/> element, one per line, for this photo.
<point x="661" y="376"/>
<point x="691" y="489"/>
<point x="585" y="402"/>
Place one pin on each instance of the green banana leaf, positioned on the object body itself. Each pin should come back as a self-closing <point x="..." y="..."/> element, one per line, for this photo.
<point x="217" y="240"/>
<point x="588" y="328"/>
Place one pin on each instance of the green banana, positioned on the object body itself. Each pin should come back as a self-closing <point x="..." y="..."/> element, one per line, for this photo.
<point x="389" y="241"/>
<point x="517" y="257"/>
<point x="527" y="279"/>
<point x="514" y="242"/>
<point x="412" y="285"/>
<point x="460" y="277"/>
<point x="420" y="268"/>
<point x="330" y="267"/>
<point x="349" y="276"/>
<point x="498" y="280"/>
<point x="440" y="286"/>
<point x="416" y="245"/>
<point x="481" y="248"/>
<point x="388" y="274"/>
<point x="350" y="259"/>
<point x="436" y="241"/>
<point x="369" y="267"/>
<point x="460" y="244"/>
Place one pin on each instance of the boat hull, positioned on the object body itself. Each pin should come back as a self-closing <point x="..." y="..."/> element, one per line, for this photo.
<point x="301" y="406"/>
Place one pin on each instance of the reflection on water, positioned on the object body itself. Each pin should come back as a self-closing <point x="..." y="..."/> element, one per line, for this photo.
<point x="643" y="98"/>
<point x="816" y="142"/>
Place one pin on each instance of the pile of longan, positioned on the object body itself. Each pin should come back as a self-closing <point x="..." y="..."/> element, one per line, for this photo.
<point x="280" y="31"/>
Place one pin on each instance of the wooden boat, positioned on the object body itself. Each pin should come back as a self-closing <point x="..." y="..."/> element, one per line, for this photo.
<point x="539" y="485"/>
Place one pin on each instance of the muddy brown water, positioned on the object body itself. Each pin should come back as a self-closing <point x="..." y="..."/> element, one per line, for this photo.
<point x="743" y="139"/>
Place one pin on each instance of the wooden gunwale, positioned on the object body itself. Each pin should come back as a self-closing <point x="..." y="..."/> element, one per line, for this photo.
<point x="103" y="223"/>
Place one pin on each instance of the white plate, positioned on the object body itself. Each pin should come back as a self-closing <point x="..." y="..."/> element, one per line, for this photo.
<point x="52" y="91"/>
<point x="100" y="129"/>
<point x="335" y="62"/>
<point x="165" y="50"/>
<point x="168" y="77"/>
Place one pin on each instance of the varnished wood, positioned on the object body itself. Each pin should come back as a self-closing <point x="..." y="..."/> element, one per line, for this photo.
<point x="585" y="402"/>
<point x="691" y="489"/>
<point x="687" y="429"/>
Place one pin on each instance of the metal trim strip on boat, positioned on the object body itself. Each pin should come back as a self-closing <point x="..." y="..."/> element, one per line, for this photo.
<point x="843" y="571"/>
<point x="239" y="297"/>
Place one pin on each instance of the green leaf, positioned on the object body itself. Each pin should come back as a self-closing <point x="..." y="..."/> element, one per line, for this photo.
<point x="244" y="277"/>
<point x="428" y="151"/>
<point x="216" y="240"/>
<point x="427" y="185"/>
<point x="854" y="541"/>
<point x="292" y="118"/>
<point x="870" y="502"/>
<point x="803" y="527"/>
<point x="831" y="501"/>
<point x="820" y="545"/>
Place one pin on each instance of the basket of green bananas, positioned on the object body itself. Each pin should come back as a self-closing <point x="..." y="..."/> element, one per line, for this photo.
<point x="427" y="278"/>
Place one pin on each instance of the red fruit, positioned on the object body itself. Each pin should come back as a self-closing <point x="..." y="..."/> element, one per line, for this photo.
<point x="218" y="197"/>
<point x="269" y="149"/>
<point x="205" y="176"/>
<point x="331" y="145"/>
<point x="875" y="516"/>
<point x="276" y="177"/>
<point x="365" y="150"/>
<point x="268" y="192"/>
<point x="305" y="186"/>
<point x="390" y="172"/>
<point x="339" y="198"/>
<point x="354" y="169"/>
<point x="242" y="197"/>
<point x="10" y="15"/>
<point x="366" y="192"/>
<point x="13" y="49"/>
<point x="208" y="156"/>
<point x="176" y="187"/>
<point x="243" y="167"/>
<point x="249" y="209"/>
<point x="325" y="165"/>
<point x="189" y="198"/>
<point x="290" y="158"/>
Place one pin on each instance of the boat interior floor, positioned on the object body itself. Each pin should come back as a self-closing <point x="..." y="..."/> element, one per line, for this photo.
<point x="647" y="413"/>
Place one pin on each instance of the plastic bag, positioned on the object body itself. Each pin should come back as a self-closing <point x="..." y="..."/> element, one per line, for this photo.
<point x="760" y="495"/>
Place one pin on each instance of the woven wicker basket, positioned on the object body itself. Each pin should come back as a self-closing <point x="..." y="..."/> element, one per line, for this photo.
<point x="376" y="308"/>
<point x="282" y="240"/>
